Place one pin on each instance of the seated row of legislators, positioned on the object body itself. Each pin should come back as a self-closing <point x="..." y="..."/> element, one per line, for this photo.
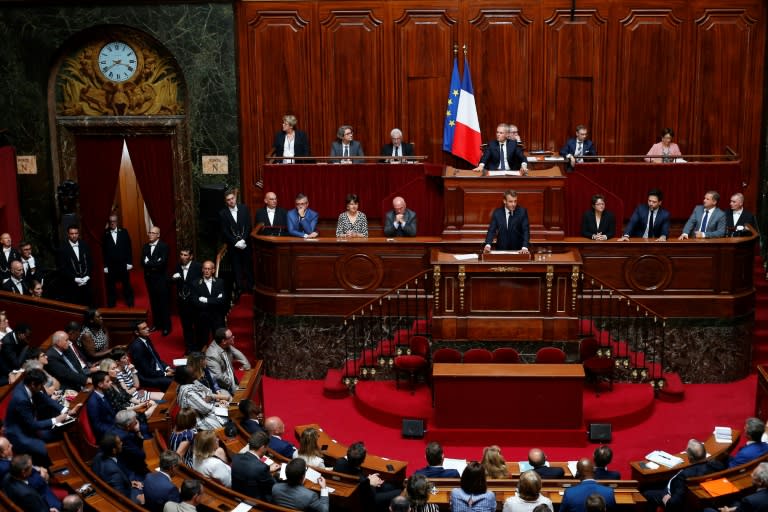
<point x="505" y="152"/>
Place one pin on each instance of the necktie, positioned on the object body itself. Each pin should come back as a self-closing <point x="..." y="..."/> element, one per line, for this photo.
<point x="69" y="363"/>
<point x="346" y="151"/>
<point x="580" y="151"/>
<point x="509" y="219"/>
<point x="503" y="155"/>
<point x="154" y="356"/>
<point x="704" y="222"/>
<point x="649" y="227"/>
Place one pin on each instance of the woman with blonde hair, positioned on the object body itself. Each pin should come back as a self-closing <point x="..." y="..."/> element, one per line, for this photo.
<point x="309" y="449"/>
<point x="208" y="458"/>
<point x="493" y="462"/>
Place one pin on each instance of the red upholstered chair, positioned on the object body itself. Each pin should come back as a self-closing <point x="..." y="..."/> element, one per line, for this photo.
<point x="416" y="361"/>
<point x="478" y="355"/>
<point x="446" y="355"/>
<point x="550" y="355"/>
<point x="596" y="366"/>
<point x="506" y="355"/>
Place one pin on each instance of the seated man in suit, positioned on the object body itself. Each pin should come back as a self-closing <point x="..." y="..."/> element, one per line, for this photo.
<point x="397" y="149"/>
<point x="38" y="480"/>
<point x="649" y="220"/>
<point x="108" y="466"/>
<point x="293" y="494"/>
<point x="574" y="499"/>
<point x="153" y="371"/>
<point x="252" y="416"/>
<point x="64" y="364"/>
<point x="222" y="357"/>
<point x="602" y="456"/>
<point x="346" y="147"/>
<point x="191" y="496"/>
<point x="13" y="349"/>
<point x="758" y="500"/>
<point x="503" y="154"/>
<point x="17" y="487"/>
<point x="434" y="469"/>
<point x="509" y="225"/>
<point x="672" y="497"/>
<point x="576" y="148"/>
<point x="400" y="221"/>
<point x="302" y="221"/>
<point x="16" y="283"/>
<point x="132" y="455"/>
<point x="276" y="428"/>
<point x="538" y="461"/>
<point x="158" y="485"/>
<point x="737" y="218"/>
<point x="706" y="220"/>
<point x="250" y="475"/>
<point x="101" y="415"/>
<point x="755" y="447"/>
<point x="271" y="220"/>
<point x="28" y="428"/>
<point x="375" y="493"/>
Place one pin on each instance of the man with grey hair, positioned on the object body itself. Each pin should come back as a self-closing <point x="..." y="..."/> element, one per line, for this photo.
<point x="737" y="218"/>
<point x="127" y="428"/>
<point x="397" y="148"/>
<point x="503" y="154"/>
<point x="400" y="221"/>
<point x="158" y="485"/>
<point x="754" y="429"/>
<point x="758" y="501"/>
<point x="514" y="134"/>
<point x="72" y="503"/>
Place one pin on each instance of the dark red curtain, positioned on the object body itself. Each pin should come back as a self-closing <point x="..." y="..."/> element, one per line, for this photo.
<point x="152" y="159"/>
<point x="98" y="171"/>
<point x="10" y="217"/>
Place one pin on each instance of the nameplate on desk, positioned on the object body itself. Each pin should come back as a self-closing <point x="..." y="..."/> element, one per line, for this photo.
<point x="503" y="256"/>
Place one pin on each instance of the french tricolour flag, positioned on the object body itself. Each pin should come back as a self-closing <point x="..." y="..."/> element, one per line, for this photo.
<point x="466" y="135"/>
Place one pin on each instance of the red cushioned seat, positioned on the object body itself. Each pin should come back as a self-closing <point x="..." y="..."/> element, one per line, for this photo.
<point x="333" y="385"/>
<point x="596" y="366"/>
<point x="550" y="355"/>
<point x="478" y="355"/>
<point x="506" y="355"/>
<point x="446" y="355"/>
<point x="413" y="363"/>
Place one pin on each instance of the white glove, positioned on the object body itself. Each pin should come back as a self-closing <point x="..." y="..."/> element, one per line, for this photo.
<point x="128" y="266"/>
<point x="203" y="300"/>
<point x="86" y="279"/>
<point x="146" y="259"/>
<point x="220" y="296"/>
<point x="176" y="276"/>
<point x="106" y="270"/>
<point x="79" y="281"/>
<point x="240" y="244"/>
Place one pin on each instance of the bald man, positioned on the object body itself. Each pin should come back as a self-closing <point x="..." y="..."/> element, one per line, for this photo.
<point x="400" y="221"/>
<point x="276" y="428"/>
<point x="271" y="220"/>
<point x="8" y="253"/>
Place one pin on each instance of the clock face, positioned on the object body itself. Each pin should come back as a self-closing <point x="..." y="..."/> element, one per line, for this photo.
<point x="117" y="61"/>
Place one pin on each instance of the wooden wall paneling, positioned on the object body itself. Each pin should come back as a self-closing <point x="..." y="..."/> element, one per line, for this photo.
<point x="423" y="49"/>
<point x="355" y="81"/>
<point x="650" y="64"/>
<point x="500" y="48"/>
<point x="575" y="60"/>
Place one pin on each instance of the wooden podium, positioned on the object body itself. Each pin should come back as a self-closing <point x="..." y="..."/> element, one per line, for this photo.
<point x="506" y="299"/>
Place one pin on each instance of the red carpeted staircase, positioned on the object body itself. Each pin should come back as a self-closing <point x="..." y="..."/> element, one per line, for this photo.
<point x="760" y="331"/>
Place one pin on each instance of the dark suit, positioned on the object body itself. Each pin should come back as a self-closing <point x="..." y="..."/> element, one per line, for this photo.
<point x="281" y="446"/>
<point x="744" y="219"/>
<point x="574" y="497"/>
<point x="66" y="367"/>
<point x="438" y="472"/>
<point x="677" y="485"/>
<point x="101" y="415"/>
<point x="512" y="237"/>
<point x="23" y="495"/>
<point x="71" y="267"/>
<point x="10" y="286"/>
<point x="371" y="498"/>
<point x="29" y="275"/>
<point x="715" y="227"/>
<point x="298" y="497"/>
<point x="300" y="144"/>
<point x="589" y="224"/>
<point x="355" y="149"/>
<point x="159" y="489"/>
<point x="114" y="474"/>
<point x="211" y="313"/>
<point x="251" y="476"/>
<point x="117" y="254"/>
<point x="299" y="227"/>
<point x="277" y="228"/>
<point x="606" y="474"/>
<point x="757" y="502"/>
<point x="551" y="473"/>
<point x="408" y="228"/>
<point x="12" y="352"/>
<point x="186" y="305"/>
<point x="36" y="481"/>
<point x="146" y="360"/>
<point x="155" y="265"/>
<point x="27" y="427"/>
<point x="588" y="149"/>
<point x="492" y="155"/>
<point x="132" y="457"/>
<point x="747" y="453"/>
<point x="388" y="150"/>
<point x="251" y="425"/>
<point x="5" y="262"/>
<point x="638" y="221"/>
<point x="233" y="232"/>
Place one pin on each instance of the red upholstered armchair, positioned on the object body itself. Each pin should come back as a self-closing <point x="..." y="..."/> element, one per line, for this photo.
<point x="506" y="355"/>
<point x="598" y="364"/>
<point x="478" y="355"/>
<point x="550" y="355"/>
<point x="446" y="355"/>
<point x="414" y="362"/>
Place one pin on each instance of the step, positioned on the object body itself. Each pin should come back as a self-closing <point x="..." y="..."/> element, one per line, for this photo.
<point x="673" y="390"/>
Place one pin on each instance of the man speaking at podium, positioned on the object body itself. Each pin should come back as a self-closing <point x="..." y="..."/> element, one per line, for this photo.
<point x="509" y="225"/>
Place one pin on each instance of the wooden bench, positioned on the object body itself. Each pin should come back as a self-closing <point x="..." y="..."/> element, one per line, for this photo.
<point x="740" y="476"/>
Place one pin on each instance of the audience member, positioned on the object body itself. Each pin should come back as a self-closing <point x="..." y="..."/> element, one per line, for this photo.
<point x="302" y="221"/>
<point x="576" y="148"/>
<point x="293" y="494"/>
<point x="666" y="149"/>
<point x="598" y="223"/>
<point x="418" y="489"/>
<point x="37" y="359"/>
<point x="18" y="489"/>
<point x="575" y="497"/>
<point x="194" y="394"/>
<point x="94" y="338"/>
<point x="595" y="503"/>
<point x="152" y="371"/>
<point x="602" y="456"/>
<point x="75" y="266"/>
<point x="503" y="154"/>
<point x="38" y="479"/>
<point x="8" y="253"/>
<point x="706" y="220"/>
<point x="473" y="495"/>
<point x="276" y="428"/>
<point x="101" y="414"/>
<point x="271" y="220"/>
<point x="16" y="283"/>
<point x="208" y="458"/>
<point x="222" y="356"/>
<point x="374" y="492"/>
<point x="111" y="469"/>
<point x="132" y="454"/>
<point x="183" y="435"/>
<point x="72" y="503"/>
<point x="197" y="363"/>
<point x="117" y="253"/>
<point x="754" y="429"/>
<point x="737" y="218"/>
<point x="434" y="468"/>
<point x="290" y="142"/>
<point x="187" y="273"/>
<point x="397" y="149"/>
<point x="250" y="475"/>
<point x="400" y="504"/>
<point x="352" y="223"/>
<point x="400" y="221"/>
<point x="252" y="416"/>
<point x="5" y="327"/>
<point x="528" y="494"/>
<point x="309" y="448"/>
<point x="36" y="289"/>
<point x="494" y="464"/>
<point x="191" y="495"/>
<point x="509" y="225"/>
<point x="758" y="500"/>
<point x="649" y="220"/>
<point x="32" y="269"/>
<point x="158" y="485"/>
<point x="13" y="348"/>
<point x="120" y="399"/>
<point x="128" y="377"/>
<point x="154" y="259"/>
<point x="538" y="461"/>
<point x="236" y="229"/>
<point x="514" y="134"/>
<point x="345" y="147"/>
<point x="212" y="303"/>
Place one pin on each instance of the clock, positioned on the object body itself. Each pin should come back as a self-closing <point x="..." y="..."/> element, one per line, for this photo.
<point x="117" y="61"/>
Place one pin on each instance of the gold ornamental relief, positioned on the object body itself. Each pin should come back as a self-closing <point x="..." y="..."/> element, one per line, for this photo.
<point x="84" y="89"/>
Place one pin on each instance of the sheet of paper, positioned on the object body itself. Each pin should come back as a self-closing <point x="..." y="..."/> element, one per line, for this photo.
<point x="465" y="257"/>
<point x="457" y="464"/>
<point x="572" y="467"/>
<point x="242" y="507"/>
<point x="182" y="361"/>
<point x="312" y="475"/>
<point x="221" y="411"/>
